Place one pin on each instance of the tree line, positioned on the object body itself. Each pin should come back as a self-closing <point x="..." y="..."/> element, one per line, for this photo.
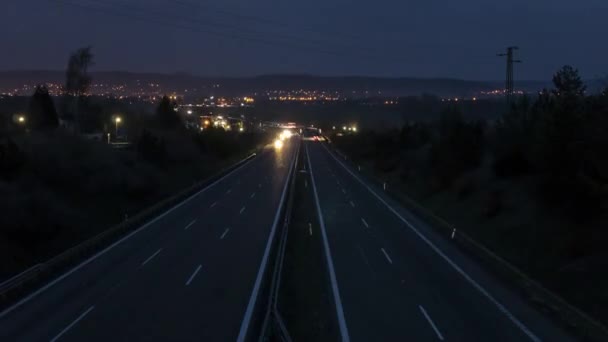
<point x="557" y="137"/>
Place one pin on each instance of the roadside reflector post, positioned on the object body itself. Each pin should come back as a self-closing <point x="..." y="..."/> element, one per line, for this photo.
<point x="453" y="233"/>
<point x="359" y="167"/>
<point x="384" y="186"/>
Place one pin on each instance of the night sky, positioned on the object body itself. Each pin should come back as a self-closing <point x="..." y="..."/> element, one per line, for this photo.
<point x="423" y="38"/>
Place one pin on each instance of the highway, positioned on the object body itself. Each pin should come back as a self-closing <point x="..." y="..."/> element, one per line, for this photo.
<point x="191" y="274"/>
<point x="394" y="279"/>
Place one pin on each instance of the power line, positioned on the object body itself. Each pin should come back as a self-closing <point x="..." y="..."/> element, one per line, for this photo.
<point x="211" y="21"/>
<point x="145" y="15"/>
<point x="258" y="19"/>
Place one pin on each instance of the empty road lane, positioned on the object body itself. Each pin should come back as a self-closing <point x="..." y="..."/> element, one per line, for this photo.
<point x="188" y="275"/>
<point x="399" y="281"/>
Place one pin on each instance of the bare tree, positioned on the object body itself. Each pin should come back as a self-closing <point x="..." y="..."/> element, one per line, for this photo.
<point x="78" y="80"/>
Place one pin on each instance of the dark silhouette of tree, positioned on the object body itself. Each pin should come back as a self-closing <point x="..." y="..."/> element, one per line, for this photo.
<point x="42" y="112"/>
<point x="568" y="82"/>
<point x="414" y="135"/>
<point x="458" y="147"/>
<point x="78" y="82"/>
<point x="11" y="159"/>
<point x="514" y="134"/>
<point x="151" y="148"/>
<point x="166" y="114"/>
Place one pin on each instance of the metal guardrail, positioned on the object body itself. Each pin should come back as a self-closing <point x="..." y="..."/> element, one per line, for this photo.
<point x="16" y="279"/>
<point x="274" y="324"/>
<point x="587" y="328"/>
<point x="21" y="284"/>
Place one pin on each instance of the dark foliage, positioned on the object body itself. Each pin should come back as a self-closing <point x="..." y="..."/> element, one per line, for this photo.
<point x="166" y="114"/>
<point x="457" y="148"/>
<point x="11" y="159"/>
<point x="414" y="135"/>
<point x="42" y="112"/>
<point x="151" y="148"/>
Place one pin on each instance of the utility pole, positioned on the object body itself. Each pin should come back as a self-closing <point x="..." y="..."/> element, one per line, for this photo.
<point x="509" y="82"/>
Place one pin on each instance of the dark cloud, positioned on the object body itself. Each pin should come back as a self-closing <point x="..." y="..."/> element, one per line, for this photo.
<point x="432" y="38"/>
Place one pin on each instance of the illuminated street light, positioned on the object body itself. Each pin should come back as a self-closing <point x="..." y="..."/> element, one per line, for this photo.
<point x="117" y="120"/>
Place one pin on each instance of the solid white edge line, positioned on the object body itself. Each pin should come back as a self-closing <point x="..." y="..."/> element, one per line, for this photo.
<point x="386" y="255"/>
<point x="258" y="281"/>
<point x="89" y="260"/>
<point x="330" y="263"/>
<point x="428" y="318"/>
<point x="151" y="257"/>
<point x="193" y="275"/>
<point x="224" y="235"/>
<point x="72" y="324"/>
<point x="190" y="224"/>
<point x="478" y="287"/>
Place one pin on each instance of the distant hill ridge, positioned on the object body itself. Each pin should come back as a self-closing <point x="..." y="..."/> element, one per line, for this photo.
<point x="397" y="86"/>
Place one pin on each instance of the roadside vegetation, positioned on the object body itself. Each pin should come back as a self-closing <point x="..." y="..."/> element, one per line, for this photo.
<point x="532" y="186"/>
<point x="59" y="187"/>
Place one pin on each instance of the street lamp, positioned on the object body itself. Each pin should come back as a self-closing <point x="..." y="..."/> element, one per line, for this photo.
<point x="117" y="120"/>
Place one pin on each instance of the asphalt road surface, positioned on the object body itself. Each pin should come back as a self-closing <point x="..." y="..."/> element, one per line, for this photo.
<point x="396" y="280"/>
<point x="189" y="275"/>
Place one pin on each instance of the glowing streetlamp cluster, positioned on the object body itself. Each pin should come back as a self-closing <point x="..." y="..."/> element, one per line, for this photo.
<point x="347" y="128"/>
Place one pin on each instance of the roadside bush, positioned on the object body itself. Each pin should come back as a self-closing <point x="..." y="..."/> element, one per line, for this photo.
<point x="32" y="218"/>
<point x="12" y="159"/>
<point x="151" y="148"/>
<point x="457" y="148"/>
<point x="512" y="164"/>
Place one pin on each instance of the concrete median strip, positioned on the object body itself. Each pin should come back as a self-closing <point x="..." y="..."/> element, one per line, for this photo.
<point x="249" y="312"/>
<point x="330" y="264"/>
